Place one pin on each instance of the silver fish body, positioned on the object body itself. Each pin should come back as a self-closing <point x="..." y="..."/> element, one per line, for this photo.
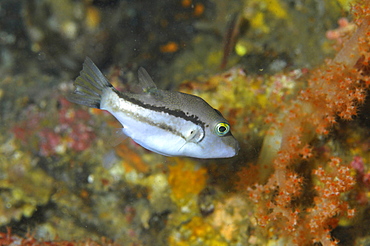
<point x="166" y="122"/>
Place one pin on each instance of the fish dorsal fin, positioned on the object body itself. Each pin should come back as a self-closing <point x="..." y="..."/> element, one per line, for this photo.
<point x="145" y="81"/>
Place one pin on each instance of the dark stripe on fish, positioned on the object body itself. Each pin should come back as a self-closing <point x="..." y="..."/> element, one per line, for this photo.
<point x="160" y="125"/>
<point x="176" y="113"/>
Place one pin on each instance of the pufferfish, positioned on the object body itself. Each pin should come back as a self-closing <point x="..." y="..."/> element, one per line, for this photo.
<point x="169" y="123"/>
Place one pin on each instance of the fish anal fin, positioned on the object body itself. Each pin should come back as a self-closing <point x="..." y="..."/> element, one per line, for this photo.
<point x="116" y="137"/>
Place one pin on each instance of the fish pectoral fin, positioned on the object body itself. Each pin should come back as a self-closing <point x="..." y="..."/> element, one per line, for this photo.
<point x="116" y="137"/>
<point x="145" y="81"/>
<point x="182" y="145"/>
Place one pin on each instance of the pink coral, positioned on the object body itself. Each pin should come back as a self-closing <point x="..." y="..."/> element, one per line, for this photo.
<point x="53" y="134"/>
<point x="49" y="141"/>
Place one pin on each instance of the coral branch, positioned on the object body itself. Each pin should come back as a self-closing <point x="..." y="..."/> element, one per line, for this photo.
<point x="334" y="90"/>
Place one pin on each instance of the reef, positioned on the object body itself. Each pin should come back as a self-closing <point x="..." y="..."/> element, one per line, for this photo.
<point x="292" y="79"/>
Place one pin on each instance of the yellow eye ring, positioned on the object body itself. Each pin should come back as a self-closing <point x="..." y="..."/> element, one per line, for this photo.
<point x="222" y="129"/>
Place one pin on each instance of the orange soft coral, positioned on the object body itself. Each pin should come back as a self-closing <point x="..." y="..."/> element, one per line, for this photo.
<point x="334" y="90"/>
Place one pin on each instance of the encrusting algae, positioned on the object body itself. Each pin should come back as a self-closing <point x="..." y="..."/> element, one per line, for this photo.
<point x="181" y="175"/>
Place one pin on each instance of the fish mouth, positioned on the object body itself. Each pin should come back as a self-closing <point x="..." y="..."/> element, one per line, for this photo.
<point x="236" y="148"/>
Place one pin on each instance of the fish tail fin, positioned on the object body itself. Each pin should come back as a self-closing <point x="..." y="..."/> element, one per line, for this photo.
<point x="90" y="85"/>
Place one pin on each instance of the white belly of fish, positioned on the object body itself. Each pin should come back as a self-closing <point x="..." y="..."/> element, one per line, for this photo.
<point x="159" y="132"/>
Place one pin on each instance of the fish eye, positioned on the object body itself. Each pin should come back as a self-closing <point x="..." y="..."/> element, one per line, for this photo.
<point x="222" y="129"/>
